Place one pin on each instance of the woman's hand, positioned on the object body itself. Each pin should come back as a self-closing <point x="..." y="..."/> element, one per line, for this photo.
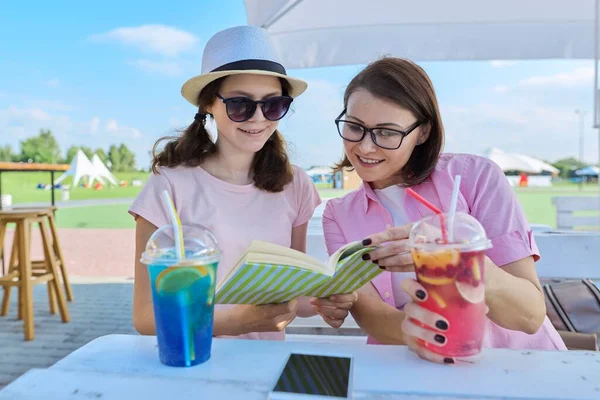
<point x="414" y="333"/>
<point x="335" y="309"/>
<point x="392" y="252"/>
<point x="266" y="317"/>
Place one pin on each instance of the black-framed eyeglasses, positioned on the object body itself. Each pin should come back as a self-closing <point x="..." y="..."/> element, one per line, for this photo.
<point x="386" y="138"/>
<point x="240" y="109"/>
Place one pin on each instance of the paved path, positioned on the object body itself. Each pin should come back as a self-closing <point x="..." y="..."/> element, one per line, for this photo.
<point x="89" y="252"/>
<point x="100" y="307"/>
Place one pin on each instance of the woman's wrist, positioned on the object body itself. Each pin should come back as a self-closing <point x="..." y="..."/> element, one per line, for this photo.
<point x="229" y="321"/>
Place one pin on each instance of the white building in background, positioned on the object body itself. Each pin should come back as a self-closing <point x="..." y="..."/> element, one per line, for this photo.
<point x="320" y="174"/>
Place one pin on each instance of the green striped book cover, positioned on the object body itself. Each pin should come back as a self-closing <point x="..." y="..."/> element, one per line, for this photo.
<point x="268" y="274"/>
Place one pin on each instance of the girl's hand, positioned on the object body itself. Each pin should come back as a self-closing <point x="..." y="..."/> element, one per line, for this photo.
<point x="334" y="309"/>
<point x="265" y="318"/>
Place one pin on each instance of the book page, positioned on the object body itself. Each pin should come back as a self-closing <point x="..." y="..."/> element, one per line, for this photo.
<point x="351" y="249"/>
<point x="260" y="248"/>
<point x="304" y="263"/>
<point x="342" y="253"/>
<point x="352" y="273"/>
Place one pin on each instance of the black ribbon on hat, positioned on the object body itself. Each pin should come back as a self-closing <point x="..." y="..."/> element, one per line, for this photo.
<point x="261" y="65"/>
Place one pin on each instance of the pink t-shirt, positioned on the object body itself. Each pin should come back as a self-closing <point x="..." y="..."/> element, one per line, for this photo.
<point x="235" y="214"/>
<point x="485" y="193"/>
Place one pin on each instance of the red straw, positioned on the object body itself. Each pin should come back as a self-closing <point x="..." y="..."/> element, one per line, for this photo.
<point x="432" y="208"/>
<point x="423" y="201"/>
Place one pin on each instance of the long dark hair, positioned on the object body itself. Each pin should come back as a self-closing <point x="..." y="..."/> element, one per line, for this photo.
<point x="404" y="83"/>
<point x="271" y="164"/>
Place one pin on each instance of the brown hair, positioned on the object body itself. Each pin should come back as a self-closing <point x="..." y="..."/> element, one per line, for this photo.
<point x="271" y="165"/>
<point x="404" y="83"/>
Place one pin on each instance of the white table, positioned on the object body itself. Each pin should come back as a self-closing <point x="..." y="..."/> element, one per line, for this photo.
<point x="127" y="367"/>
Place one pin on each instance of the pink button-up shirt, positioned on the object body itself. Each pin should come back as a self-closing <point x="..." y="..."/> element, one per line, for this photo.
<point x="485" y="193"/>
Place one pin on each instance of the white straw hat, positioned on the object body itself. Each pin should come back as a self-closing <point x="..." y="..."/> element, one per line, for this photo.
<point x="239" y="50"/>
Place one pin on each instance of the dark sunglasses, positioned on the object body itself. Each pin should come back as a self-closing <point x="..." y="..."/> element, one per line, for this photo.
<point x="240" y="109"/>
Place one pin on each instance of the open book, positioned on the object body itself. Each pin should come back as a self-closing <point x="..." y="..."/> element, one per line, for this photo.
<point x="268" y="273"/>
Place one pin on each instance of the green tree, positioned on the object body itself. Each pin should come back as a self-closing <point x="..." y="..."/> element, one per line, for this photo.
<point x="41" y="149"/>
<point x="127" y="158"/>
<point x="87" y="151"/>
<point x="114" y="156"/>
<point x="566" y="165"/>
<point x="101" y="154"/>
<point x="71" y="153"/>
<point x="6" y="153"/>
<point x="121" y="158"/>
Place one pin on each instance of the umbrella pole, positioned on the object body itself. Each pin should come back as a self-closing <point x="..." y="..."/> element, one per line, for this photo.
<point x="596" y="126"/>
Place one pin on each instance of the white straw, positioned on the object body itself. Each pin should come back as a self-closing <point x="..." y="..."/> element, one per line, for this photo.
<point x="453" y="204"/>
<point x="176" y="223"/>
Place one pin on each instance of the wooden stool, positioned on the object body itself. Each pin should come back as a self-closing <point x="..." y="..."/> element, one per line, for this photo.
<point x="21" y="273"/>
<point x="48" y="213"/>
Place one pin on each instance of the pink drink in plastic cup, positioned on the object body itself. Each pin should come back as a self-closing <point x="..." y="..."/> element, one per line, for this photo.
<point x="450" y="265"/>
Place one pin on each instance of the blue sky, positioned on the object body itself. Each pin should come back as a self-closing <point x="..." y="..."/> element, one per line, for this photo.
<point x="111" y="72"/>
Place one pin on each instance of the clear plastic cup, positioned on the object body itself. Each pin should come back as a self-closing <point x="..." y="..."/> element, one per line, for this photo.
<point x="450" y="265"/>
<point x="183" y="293"/>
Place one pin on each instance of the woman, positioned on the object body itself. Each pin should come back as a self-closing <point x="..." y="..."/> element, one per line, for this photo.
<point x="393" y="137"/>
<point x="242" y="186"/>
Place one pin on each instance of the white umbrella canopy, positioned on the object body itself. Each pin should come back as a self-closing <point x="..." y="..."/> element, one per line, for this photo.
<point x="320" y="33"/>
<point x="317" y="33"/>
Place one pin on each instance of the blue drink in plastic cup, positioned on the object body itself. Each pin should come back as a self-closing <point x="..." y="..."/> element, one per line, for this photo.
<point x="183" y="293"/>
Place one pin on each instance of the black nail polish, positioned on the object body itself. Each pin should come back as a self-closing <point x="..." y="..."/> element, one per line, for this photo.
<point x="381" y="267"/>
<point x="366" y="256"/>
<point x="442" y="325"/>
<point x="375" y="261"/>
<point x="440" y="339"/>
<point x="367" y="242"/>
<point x="448" y="360"/>
<point x="420" y="294"/>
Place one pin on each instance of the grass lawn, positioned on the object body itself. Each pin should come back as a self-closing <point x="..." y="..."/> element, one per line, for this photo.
<point x="536" y="202"/>
<point x="23" y="187"/>
<point x="104" y="216"/>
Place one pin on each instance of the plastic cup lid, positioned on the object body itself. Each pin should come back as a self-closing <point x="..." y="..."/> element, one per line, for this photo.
<point x="199" y="243"/>
<point x="467" y="233"/>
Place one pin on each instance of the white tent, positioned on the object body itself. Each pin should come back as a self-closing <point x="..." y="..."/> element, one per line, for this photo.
<point x="80" y="167"/>
<point x="509" y="162"/>
<point x="544" y="166"/>
<point x="102" y="171"/>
